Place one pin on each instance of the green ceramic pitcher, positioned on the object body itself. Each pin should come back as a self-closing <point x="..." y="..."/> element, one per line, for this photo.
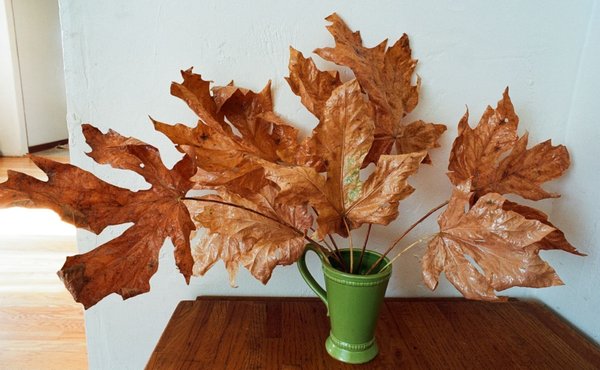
<point x="353" y="302"/>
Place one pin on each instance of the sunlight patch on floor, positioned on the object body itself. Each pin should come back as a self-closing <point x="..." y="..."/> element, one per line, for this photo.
<point x="31" y="222"/>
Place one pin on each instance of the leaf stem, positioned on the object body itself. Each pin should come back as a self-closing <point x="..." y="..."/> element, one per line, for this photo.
<point x="339" y="254"/>
<point x="419" y="241"/>
<point x="364" y="247"/>
<point x="395" y="242"/>
<point x="351" y="246"/>
<point x="416" y="223"/>
<point x="329" y="247"/>
<point x="334" y="243"/>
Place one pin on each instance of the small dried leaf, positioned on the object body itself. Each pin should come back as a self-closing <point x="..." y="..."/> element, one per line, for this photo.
<point x="212" y="150"/>
<point x="220" y="158"/>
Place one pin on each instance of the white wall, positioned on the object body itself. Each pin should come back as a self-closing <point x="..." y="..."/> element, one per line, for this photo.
<point x="13" y="139"/>
<point x="578" y="212"/>
<point x="121" y="56"/>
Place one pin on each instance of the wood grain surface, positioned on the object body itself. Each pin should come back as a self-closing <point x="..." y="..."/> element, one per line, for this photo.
<point x="289" y="333"/>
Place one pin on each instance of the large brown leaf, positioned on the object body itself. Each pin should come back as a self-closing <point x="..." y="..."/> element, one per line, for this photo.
<point x="221" y="159"/>
<point x="386" y="76"/>
<point x="255" y="231"/>
<point x="340" y="198"/>
<point x="502" y="246"/>
<point x="314" y="87"/>
<point x="342" y="139"/>
<point x="480" y="154"/>
<point x="125" y="264"/>
<point x="368" y="65"/>
<point x="220" y="155"/>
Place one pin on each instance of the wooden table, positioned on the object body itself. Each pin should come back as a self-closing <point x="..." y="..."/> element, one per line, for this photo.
<point x="289" y="333"/>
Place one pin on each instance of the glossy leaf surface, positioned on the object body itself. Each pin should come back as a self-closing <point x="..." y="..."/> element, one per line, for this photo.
<point x="486" y="248"/>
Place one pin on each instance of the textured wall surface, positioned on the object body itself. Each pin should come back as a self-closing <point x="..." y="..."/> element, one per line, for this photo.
<point x="578" y="211"/>
<point x="121" y="56"/>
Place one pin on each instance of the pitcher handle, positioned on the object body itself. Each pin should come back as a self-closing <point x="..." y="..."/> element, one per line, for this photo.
<point x="310" y="280"/>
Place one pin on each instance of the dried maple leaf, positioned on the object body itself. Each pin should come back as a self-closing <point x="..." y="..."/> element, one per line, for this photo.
<point x="220" y="154"/>
<point x="480" y="154"/>
<point x="125" y="264"/>
<point x="255" y="231"/>
<point x="344" y="137"/>
<point x="314" y="87"/>
<point x="502" y="244"/>
<point x="386" y="75"/>
<point x="62" y="193"/>
<point x="245" y="109"/>
<point x="219" y="157"/>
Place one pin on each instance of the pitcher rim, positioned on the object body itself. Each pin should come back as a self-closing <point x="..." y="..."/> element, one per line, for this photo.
<point x="381" y="274"/>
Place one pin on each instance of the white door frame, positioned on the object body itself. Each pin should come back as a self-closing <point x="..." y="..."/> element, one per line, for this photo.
<point x="13" y="139"/>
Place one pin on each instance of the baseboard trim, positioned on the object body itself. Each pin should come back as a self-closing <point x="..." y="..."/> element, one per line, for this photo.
<point x="46" y="146"/>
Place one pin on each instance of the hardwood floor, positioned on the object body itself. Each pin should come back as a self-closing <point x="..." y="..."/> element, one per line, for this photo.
<point x="41" y="327"/>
